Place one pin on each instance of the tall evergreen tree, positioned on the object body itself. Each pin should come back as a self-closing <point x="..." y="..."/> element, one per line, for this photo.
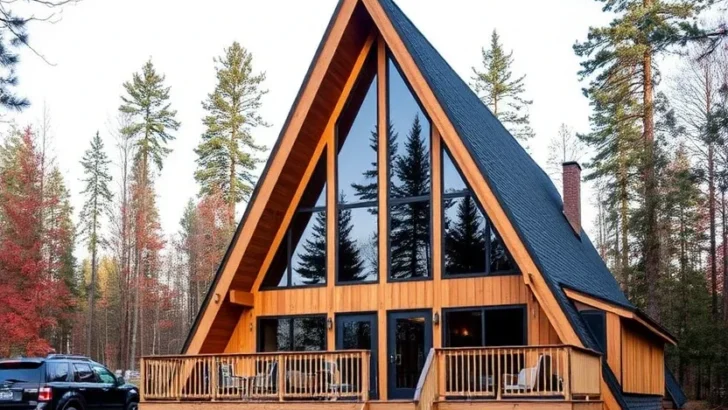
<point x="227" y="155"/>
<point x="503" y="94"/>
<point x="465" y="239"/>
<point x="350" y="260"/>
<point x="410" y="227"/>
<point x="312" y="266"/>
<point x="150" y="120"/>
<point x="98" y="203"/>
<point x="367" y="191"/>
<point x="620" y="58"/>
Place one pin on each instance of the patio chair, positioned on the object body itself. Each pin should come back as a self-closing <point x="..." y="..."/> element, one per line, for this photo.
<point x="267" y="380"/>
<point x="529" y="378"/>
<point x="229" y="383"/>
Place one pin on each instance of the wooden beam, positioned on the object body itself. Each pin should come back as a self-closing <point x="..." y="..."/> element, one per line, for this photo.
<point x="599" y="304"/>
<point x="240" y="297"/>
<point x="275" y="167"/>
<point x="382" y="163"/>
<point x="472" y="174"/>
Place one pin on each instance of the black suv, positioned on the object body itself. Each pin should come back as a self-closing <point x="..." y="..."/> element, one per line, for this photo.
<point x="60" y="382"/>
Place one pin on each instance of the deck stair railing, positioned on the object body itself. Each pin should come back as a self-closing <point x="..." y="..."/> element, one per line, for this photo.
<point x="259" y="376"/>
<point x="561" y="371"/>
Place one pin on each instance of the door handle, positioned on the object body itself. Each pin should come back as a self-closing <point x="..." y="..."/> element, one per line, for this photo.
<point x="391" y="358"/>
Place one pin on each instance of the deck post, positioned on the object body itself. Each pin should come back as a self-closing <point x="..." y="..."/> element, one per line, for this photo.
<point x="212" y="365"/>
<point x="365" y="361"/>
<point x="567" y="376"/>
<point x="440" y="374"/>
<point x="143" y="380"/>
<point x="281" y="377"/>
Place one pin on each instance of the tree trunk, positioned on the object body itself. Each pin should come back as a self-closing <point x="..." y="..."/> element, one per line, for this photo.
<point x="91" y="294"/>
<point x="652" y="241"/>
<point x="725" y="258"/>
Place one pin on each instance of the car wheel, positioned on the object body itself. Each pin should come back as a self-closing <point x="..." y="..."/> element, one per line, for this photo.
<point x="132" y="406"/>
<point x="72" y="406"/>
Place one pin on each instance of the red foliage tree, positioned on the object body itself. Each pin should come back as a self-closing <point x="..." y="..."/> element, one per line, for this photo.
<point x="30" y="296"/>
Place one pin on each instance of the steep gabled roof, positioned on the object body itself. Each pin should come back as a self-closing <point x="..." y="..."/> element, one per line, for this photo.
<point x="673" y="391"/>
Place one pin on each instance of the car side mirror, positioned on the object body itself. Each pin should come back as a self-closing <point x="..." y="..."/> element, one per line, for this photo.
<point x="120" y="381"/>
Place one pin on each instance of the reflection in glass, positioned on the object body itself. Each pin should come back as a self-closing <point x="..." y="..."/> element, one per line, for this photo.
<point x="452" y="180"/>
<point x="357" y="335"/>
<point x="500" y="260"/>
<point x="410" y="240"/>
<point x="308" y="258"/>
<point x="464" y="237"/>
<point x="410" y="351"/>
<point x="357" y="159"/>
<point x="277" y="275"/>
<point x="321" y="201"/>
<point x="505" y="327"/>
<point x="357" y="257"/>
<point x="292" y="334"/>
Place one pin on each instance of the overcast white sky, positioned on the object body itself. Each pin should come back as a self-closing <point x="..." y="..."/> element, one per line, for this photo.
<point x="98" y="44"/>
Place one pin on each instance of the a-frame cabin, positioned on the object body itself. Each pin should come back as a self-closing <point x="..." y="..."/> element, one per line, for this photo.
<point x="401" y="250"/>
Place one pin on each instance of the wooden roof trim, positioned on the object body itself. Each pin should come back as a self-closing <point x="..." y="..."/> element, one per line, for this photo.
<point x="309" y="89"/>
<point x="599" y="304"/>
<point x="242" y="298"/>
<point x="461" y="155"/>
<point x="619" y="311"/>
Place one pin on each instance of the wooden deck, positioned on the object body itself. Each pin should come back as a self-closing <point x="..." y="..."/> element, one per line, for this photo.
<point x="557" y="377"/>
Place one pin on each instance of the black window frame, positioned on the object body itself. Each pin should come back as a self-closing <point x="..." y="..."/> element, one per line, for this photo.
<point x="371" y="59"/>
<point x="259" y="339"/>
<point x="389" y="57"/>
<point x="483" y="309"/>
<point x="287" y="239"/>
<point x="488" y="224"/>
<point x="601" y="342"/>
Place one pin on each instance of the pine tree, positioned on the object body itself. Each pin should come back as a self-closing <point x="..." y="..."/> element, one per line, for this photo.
<point x="150" y="120"/>
<point x="369" y="191"/>
<point x="227" y="155"/>
<point x="410" y="227"/>
<point x="98" y="203"/>
<point x="312" y="266"/>
<point x="465" y="239"/>
<point x="351" y="263"/>
<point x="503" y="94"/>
<point x="620" y="58"/>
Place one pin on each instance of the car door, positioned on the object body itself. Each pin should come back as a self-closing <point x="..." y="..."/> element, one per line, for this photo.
<point x="86" y="385"/>
<point x="59" y="377"/>
<point x="113" y="397"/>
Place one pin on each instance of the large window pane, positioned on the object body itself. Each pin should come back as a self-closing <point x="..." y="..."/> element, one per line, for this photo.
<point x="309" y="333"/>
<point x="277" y="275"/>
<point x="500" y="259"/>
<point x="357" y="257"/>
<point x="410" y="249"/>
<point x="357" y="159"/>
<point x="464" y="328"/>
<point x="505" y="327"/>
<point x="464" y="237"/>
<point x="275" y="335"/>
<point x="452" y="181"/>
<point x="308" y="258"/>
<point x="409" y="142"/>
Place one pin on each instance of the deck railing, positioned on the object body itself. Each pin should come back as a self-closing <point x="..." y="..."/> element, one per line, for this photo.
<point x="566" y="372"/>
<point x="259" y="376"/>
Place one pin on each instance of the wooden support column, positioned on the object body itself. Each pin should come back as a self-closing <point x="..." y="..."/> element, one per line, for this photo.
<point x="436" y="153"/>
<point x="383" y="236"/>
<point x="331" y="239"/>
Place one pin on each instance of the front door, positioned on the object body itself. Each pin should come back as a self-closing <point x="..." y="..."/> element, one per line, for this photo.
<point x="359" y="332"/>
<point x="409" y="340"/>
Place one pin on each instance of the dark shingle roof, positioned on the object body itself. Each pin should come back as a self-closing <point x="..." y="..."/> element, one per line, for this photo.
<point x="635" y="402"/>
<point x="673" y="389"/>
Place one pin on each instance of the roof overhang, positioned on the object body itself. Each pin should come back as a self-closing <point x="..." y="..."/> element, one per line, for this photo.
<point x="635" y="315"/>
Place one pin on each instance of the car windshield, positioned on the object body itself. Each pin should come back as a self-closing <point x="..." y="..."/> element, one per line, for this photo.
<point x="20" y="372"/>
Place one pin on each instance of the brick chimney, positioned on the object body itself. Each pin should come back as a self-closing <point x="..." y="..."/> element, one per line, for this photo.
<point x="572" y="194"/>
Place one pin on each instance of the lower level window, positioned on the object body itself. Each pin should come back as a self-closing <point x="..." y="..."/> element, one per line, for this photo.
<point x="487" y="326"/>
<point x="287" y="334"/>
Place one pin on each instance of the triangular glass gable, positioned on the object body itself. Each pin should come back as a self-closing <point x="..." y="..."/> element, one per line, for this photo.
<point x="472" y="245"/>
<point x="301" y="257"/>
<point x="357" y="181"/>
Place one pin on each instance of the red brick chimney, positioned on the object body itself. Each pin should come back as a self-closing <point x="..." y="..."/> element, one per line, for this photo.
<point x="572" y="194"/>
